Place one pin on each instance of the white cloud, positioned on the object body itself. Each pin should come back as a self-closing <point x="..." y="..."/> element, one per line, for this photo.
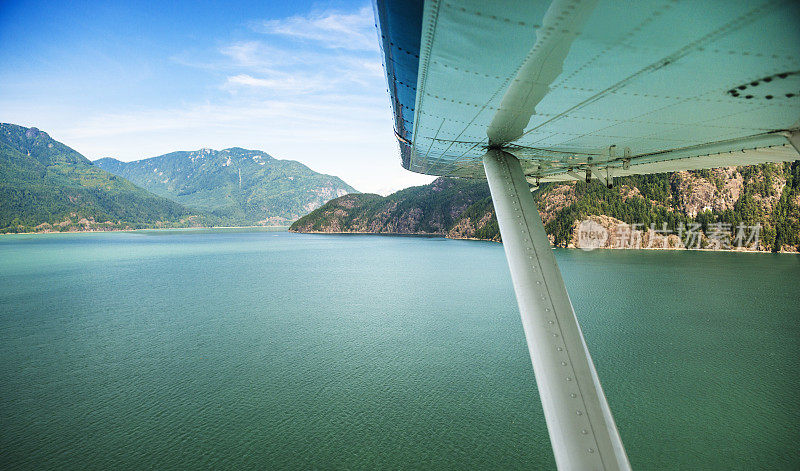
<point x="311" y="86"/>
<point x="278" y="82"/>
<point x="266" y="66"/>
<point x="244" y="79"/>
<point x="307" y="88"/>
<point x="333" y="30"/>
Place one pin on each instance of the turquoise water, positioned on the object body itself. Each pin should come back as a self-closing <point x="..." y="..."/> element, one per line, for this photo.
<point x="270" y="350"/>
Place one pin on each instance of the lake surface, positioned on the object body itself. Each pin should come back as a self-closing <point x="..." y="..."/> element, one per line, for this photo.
<point x="271" y="350"/>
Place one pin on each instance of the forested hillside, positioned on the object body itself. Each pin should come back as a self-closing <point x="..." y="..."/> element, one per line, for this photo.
<point x="429" y="209"/>
<point x="45" y="185"/>
<point x="765" y="196"/>
<point x="234" y="186"/>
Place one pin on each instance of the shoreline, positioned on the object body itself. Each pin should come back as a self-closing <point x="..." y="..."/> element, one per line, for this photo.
<point x="389" y="234"/>
<point x="424" y="234"/>
<point x="286" y="228"/>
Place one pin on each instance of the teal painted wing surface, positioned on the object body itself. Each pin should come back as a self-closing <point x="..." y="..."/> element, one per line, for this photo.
<point x="617" y="88"/>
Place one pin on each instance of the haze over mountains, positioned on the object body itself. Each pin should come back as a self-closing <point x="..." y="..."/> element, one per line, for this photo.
<point x="47" y="186"/>
<point x="237" y="186"/>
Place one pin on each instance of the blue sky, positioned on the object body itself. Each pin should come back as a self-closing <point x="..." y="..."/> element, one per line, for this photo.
<point x="130" y="80"/>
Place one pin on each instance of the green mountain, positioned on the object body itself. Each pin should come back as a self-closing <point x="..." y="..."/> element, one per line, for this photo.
<point x="45" y="185"/>
<point x="236" y="186"/>
<point x="714" y="204"/>
<point x="448" y="206"/>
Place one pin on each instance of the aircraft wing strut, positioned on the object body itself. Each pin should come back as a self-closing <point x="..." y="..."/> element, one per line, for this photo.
<point x="522" y="92"/>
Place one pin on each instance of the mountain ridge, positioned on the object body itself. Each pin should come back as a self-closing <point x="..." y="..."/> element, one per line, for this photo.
<point x="237" y="186"/>
<point x="46" y="185"/>
<point x="655" y="209"/>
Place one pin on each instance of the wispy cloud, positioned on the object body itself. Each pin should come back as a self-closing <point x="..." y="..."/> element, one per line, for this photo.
<point x="307" y="87"/>
<point x="320" y="81"/>
<point x="278" y="81"/>
<point x="334" y="30"/>
<point x="331" y="52"/>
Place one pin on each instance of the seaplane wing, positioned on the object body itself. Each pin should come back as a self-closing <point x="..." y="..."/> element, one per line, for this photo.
<point x="579" y="87"/>
<point x="521" y="92"/>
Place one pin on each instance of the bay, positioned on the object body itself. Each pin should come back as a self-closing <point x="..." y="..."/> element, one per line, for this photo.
<point x="271" y="350"/>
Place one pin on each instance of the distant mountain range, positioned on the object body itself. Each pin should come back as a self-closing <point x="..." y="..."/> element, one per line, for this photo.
<point x="236" y="186"/>
<point x="47" y="186"/>
<point x="712" y="203"/>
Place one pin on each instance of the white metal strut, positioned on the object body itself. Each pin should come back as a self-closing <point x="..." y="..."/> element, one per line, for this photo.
<point x="582" y="430"/>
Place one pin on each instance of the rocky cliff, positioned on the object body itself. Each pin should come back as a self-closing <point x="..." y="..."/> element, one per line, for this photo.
<point x="455" y="208"/>
<point x="733" y="208"/>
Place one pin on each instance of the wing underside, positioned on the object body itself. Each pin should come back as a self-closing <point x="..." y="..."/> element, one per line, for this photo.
<point x="602" y="87"/>
<point x="574" y="89"/>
